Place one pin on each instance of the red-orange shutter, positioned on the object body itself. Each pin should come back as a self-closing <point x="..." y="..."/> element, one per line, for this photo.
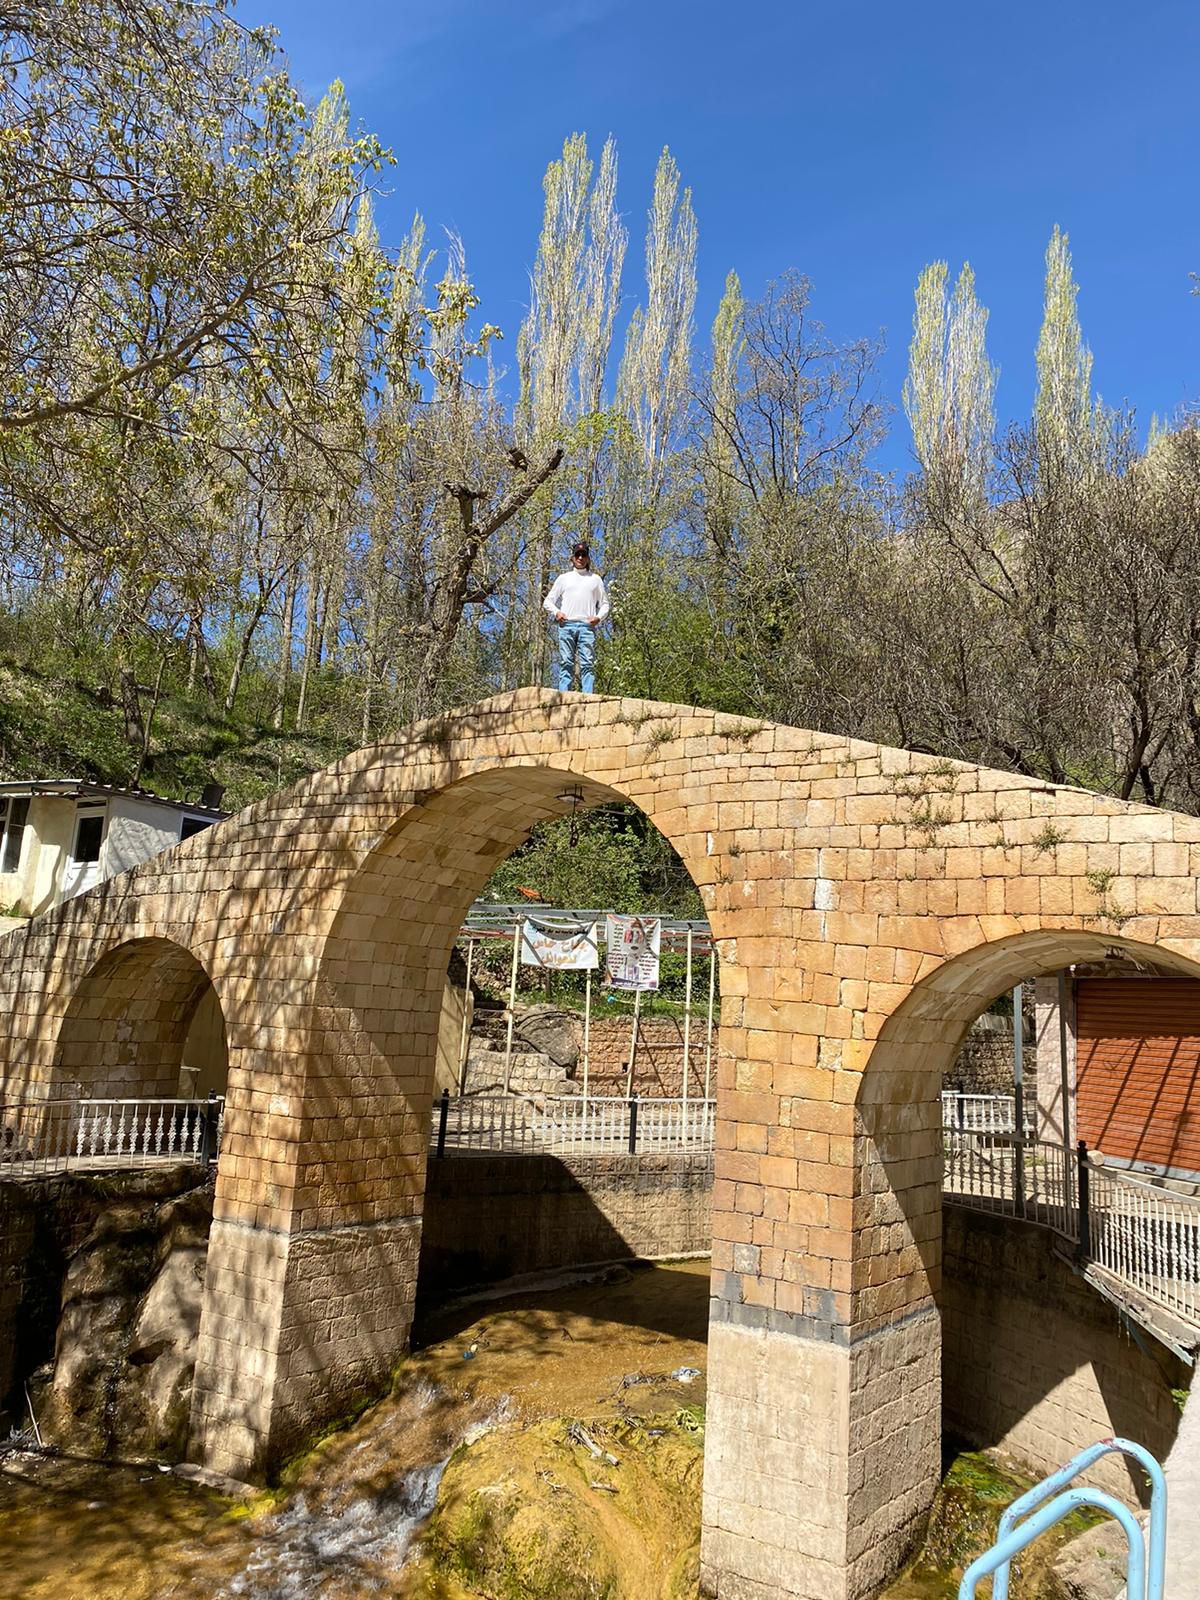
<point x="1138" y="1069"/>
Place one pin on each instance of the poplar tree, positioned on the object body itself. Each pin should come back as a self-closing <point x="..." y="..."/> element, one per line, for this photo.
<point x="949" y="391"/>
<point x="653" y="382"/>
<point x="718" y="403"/>
<point x="562" y="356"/>
<point x="1063" y="411"/>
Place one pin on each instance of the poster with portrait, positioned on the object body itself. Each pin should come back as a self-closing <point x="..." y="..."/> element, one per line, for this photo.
<point x="633" y="943"/>
<point x="559" y="947"/>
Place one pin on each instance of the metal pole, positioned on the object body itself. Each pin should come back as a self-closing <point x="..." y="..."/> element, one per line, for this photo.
<point x="633" y="1038"/>
<point x="443" y="1115"/>
<point x="512" y="1001"/>
<point x="464" y="1038"/>
<point x="712" y="990"/>
<point x="1085" y="1210"/>
<point x="1064" y="1084"/>
<point x="211" y="1151"/>
<point x="1019" y="1099"/>
<point x="687" y="1036"/>
<point x="633" y="1110"/>
<point x="587" y="1033"/>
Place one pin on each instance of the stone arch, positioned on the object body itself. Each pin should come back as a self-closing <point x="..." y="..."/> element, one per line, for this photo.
<point x="126" y="1024"/>
<point x="900" y="1206"/>
<point x="345" y="1103"/>
<point x="899" y="1095"/>
<point x="384" y="960"/>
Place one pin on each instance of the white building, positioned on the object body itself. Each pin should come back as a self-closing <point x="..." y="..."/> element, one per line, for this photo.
<point x="60" y="836"/>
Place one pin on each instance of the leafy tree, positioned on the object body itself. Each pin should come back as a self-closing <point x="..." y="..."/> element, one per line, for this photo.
<point x="1063" y="409"/>
<point x="949" y="391"/>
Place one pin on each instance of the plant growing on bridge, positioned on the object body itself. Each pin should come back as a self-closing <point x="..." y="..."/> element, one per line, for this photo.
<point x="1108" y="910"/>
<point x="1047" y="839"/>
<point x="929" y="791"/>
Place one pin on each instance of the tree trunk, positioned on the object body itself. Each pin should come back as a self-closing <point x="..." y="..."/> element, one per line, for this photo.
<point x="284" y="672"/>
<point x="243" y="655"/>
<point x="310" y="645"/>
<point x="131" y="707"/>
<point x="154" y="699"/>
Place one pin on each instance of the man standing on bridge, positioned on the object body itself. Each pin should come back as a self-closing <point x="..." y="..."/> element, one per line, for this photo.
<point x="578" y="603"/>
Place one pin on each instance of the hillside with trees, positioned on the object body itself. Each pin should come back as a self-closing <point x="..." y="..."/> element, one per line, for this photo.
<point x="269" y="489"/>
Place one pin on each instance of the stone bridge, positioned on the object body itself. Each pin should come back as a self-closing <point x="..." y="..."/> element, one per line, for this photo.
<point x="867" y="904"/>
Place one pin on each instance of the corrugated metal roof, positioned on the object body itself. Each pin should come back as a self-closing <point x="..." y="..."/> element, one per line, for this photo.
<point x="85" y="789"/>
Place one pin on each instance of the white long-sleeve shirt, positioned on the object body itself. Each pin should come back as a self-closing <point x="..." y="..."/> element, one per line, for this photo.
<point x="579" y="596"/>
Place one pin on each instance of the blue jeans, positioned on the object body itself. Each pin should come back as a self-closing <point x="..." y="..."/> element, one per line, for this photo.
<point x="576" y="642"/>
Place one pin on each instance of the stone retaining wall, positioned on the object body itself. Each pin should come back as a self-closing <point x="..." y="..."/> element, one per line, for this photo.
<point x="1036" y="1362"/>
<point x="493" y="1217"/>
<point x="658" y="1063"/>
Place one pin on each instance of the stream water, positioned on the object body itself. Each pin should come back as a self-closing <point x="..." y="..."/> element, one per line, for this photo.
<point x="547" y="1444"/>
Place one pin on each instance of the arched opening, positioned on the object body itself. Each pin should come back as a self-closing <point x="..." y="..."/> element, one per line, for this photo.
<point x="384" y="974"/>
<point x="1042" y="1350"/>
<point x="386" y="959"/>
<point x="585" y="1092"/>
<point x="144" y="1023"/>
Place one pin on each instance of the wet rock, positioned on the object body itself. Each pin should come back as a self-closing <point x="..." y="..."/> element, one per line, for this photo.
<point x="169" y="1317"/>
<point x="1092" y="1565"/>
<point x="127" y="1334"/>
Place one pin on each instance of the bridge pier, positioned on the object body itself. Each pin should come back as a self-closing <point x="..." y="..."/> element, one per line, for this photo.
<point x="297" y="1328"/>
<point x="821" y="1455"/>
<point x="823" y="1443"/>
<point x="316" y="1237"/>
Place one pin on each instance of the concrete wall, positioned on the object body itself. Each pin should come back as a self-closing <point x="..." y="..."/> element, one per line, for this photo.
<point x="205" y="1065"/>
<point x="1035" y="1361"/>
<point x="449" y="1036"/>
<point x="491" y="1217"/>
<point x="1056" y="1051"/>
<point x="51" y="830"/>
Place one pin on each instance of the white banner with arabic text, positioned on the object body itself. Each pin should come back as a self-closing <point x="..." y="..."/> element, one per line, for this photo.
<point x="559" y="949"/>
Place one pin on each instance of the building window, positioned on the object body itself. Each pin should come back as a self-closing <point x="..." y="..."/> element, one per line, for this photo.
<point x="191" y="825"/>
<point x="16" y="815"/>
<point x="89" y="834"/>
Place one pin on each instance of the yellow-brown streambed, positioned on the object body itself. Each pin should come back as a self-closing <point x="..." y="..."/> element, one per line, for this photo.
<point x="547" y="1446"/>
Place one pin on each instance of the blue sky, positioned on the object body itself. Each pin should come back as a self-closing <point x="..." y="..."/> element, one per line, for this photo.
<point x="854" y="143"/>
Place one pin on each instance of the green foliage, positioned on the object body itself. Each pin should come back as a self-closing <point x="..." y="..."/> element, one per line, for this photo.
<point x="690" y="1419"/>
<point x="617" y="862"/>
<point x="1047" y="839"/>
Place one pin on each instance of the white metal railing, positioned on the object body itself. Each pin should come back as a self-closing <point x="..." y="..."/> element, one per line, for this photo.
<point x="571" y="1125"/>
<point x="44" y="1136"/>
<point x="1146" y="1237"/>
<point x="1011" y="1177"/>
<point x="983" y="1113"/>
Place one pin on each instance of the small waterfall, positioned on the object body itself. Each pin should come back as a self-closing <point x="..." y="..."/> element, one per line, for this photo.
<point x="307" y="1548"/>
<point x="349" y="1530"/>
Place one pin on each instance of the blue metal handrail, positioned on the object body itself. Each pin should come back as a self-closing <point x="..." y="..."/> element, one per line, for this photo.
<point x="1002" y="1552"/>
<point x="1066" y="1475"/>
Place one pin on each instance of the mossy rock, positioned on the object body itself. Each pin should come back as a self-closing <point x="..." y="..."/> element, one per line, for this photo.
<point x="529" y="1514"/>
<point x="963" y="1524"/>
